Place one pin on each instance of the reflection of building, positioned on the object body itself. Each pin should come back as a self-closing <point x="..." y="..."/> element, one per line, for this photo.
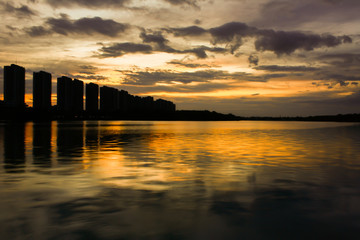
<point x="70" y="141"/>
<point x="92" y="98"/>
<point x="14" y="86"/>
<point x="42" y="90"/>
<point x="70" y="95"/>
<point x="42" y="144"/>
<point x="14" y="147"/>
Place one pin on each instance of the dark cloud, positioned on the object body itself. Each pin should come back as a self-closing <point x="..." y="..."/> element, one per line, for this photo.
<point x="11" y="28"/>
<point x="158" y="43"/>
<point x="192" y="3"/>
<point x="64" y="26"/>
<point x="338" y="77"/>
<point x="203" y="76"/>
<point x="279" y="42"/>
<point x="22" y="11"/>
<point x="253" y="60"/>
<point x="200" y="52"/>
<point x="88" y="69"/>
<point x="95" y="4"/>
<point x="336" y="102"/>
<point x="161" y="45"/>
<point x="341" y="60"/>
<point x="343" y="83"/>
<point x="120" y="49"/>
<point x="290" y="14"/>
<point x="87" y="77"/>
<point x="187" y="31"/>
<point x="229" y="31"/>
<point x="277" y="68"/>
<point x="189" y="65"/>
<point x="37" y="31"/>
<point x="158" y="39"/>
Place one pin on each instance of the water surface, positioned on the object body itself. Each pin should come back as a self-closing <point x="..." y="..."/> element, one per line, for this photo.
<point x="179" y="180"/>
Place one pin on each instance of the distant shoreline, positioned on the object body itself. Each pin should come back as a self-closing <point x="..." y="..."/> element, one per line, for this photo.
<point x="29" y="114"/>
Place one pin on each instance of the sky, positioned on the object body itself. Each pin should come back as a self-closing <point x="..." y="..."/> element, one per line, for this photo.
<point x="246" y="57"/>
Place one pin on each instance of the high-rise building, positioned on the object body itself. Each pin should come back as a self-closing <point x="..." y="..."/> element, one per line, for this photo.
<point x="92" y="98"/>
<point x="109" y="102"/>
<point x="42" y="90"/>
<point x="70" y="95"/>
<point x="14" y="86"/>
<point x="64" y="94"/>
<point x="124" y="101"/>
<point x="78" y="96"/>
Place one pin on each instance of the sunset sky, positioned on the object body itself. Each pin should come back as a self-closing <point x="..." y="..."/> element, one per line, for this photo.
<point x="246" y="57"/>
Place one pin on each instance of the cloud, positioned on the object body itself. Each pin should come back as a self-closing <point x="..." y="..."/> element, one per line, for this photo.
<point x="37" y="31"/>
<point x="338" y="77"/>
<point x="159" y="45"/>
<point x="253" y="60"/>
<point x="187" y="31"/>
<point x="93" y="4"/>
<point x="152" y="77"/>
<point x="189" y="65"/>
<point x="342" y="60"/>
<point x="86" y="26"/>
<point x="290" y="14"/>
<point x="279" y="42"/>
<point x="342" y="101"/>
<point x="200" y="51"/>
<point x="87" y="77"/>
<point x="158" y="39"/>
<point x="22" y="11"/>
<point x="192" y="3"/>
<point x="65" y="26"/>
<point x="87" y="69"/>
<point x="120" y="49"/>
<point x="277" y="68"/>
<point x="229" y="31"/>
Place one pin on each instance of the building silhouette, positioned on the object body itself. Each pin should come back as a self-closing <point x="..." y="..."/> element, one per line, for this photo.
<point x="64" y="94"/>
<point x="109" y="102"/>
<point x="70" y="95"/>
<point x="112" y="103"/>
<point x="78" y="96"/>
<point x="92" y="98"/>
<point x="14" y="86"/>
<point x="42" y="91"/>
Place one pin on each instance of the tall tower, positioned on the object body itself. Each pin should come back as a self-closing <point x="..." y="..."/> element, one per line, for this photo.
<point x="64" y="94"/>
<point x="14" y="86"/>
<point x="109" y="99"/>
<point x="92" y="97"/>
<point x="78" y="96"/>
<point x="42" y="91"/>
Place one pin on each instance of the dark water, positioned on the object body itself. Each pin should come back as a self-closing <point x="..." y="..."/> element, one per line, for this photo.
<point x="179" y="180"/>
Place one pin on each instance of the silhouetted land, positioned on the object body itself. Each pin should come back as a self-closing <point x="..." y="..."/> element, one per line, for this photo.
<point x="30" y="114"/>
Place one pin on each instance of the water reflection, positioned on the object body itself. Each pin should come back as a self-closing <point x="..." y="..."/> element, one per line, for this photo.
<point x="14" y="148"/>
<point x="179" y="180"/>
<point x="41" y="140"/>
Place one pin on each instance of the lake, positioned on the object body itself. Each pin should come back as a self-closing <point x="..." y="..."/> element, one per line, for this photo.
<point x="179" y="180"/>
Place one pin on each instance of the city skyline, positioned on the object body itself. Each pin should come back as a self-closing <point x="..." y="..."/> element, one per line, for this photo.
<point x="70" y="95"/>
<point x="249" y="58"/>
